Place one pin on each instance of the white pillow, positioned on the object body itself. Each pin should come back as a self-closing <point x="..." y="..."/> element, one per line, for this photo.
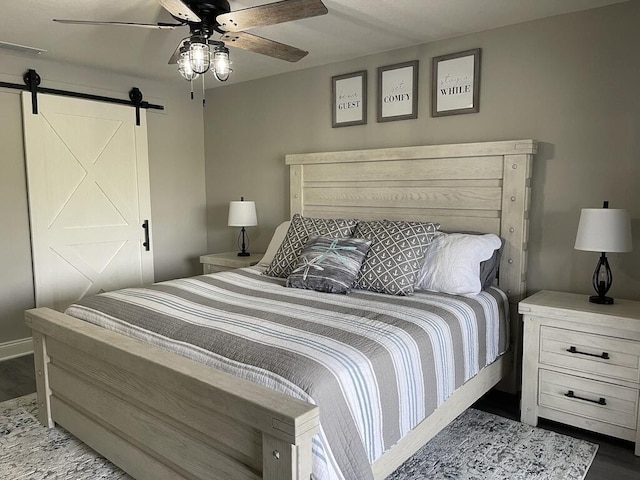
<point x="452" y="263"/>
<point x="274" y="244"/>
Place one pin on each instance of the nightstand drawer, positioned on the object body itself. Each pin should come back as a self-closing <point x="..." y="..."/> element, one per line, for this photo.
<point x="580" y="396"/>
<point x="601" y="355"/>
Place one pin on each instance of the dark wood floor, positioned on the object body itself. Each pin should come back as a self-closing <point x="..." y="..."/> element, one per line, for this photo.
<point x="614" y="460"/>
<point x="17" y="377"/>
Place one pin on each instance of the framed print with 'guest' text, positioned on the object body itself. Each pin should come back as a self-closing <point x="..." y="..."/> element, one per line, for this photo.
<point x="349" y="99"/>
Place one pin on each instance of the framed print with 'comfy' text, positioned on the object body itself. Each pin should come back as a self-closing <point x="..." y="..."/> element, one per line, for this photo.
<point x="398" y="91"/>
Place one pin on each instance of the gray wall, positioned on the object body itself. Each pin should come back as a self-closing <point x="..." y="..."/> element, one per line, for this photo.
<point x="569" y="82"/>
<point x="176" y="162"/>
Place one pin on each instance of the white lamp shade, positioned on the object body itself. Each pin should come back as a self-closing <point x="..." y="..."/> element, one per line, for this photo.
<point x="242" y="214"/>
<point x="604" y="230"/>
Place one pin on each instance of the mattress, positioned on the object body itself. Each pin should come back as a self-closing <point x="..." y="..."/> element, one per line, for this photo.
<point x="375" y="364"/>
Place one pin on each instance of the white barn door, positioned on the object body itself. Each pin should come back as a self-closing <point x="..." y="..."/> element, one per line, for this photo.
<point x="88" y="186"/>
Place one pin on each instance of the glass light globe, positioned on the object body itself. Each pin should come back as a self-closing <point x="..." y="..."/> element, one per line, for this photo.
<point x="221" y="64"/>
<point x="199" y="57"/>
<point x="184" y="67"/>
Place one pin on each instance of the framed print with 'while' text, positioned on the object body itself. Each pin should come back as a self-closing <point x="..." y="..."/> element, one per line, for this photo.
<point x="455" y="83"/>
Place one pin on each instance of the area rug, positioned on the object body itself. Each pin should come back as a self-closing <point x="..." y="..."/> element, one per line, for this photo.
<point x="481" y="446"/>
<point x="475" y="446"/>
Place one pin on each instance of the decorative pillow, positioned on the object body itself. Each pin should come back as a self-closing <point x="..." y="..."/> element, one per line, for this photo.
<point x="274" y="244"/>
<point x="395" y="256"/>
<point x="452" y="263"/>
<point x="329" y="264"/>
<point x="298" y="234"/>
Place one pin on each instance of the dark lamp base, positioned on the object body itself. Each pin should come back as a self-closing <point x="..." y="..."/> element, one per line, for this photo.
<point x="244" y="254"/>
<point x="601" y="300"/>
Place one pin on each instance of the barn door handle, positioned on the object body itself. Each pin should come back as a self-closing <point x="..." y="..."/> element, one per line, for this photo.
<point x="147" y="243"/>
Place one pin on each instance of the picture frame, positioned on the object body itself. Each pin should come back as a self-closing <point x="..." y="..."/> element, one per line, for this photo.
<point x="398" y="91"/>
<point x="455" y="83"/>
<point x="349" y="99"/>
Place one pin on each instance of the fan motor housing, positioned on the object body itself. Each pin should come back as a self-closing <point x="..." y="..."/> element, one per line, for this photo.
<point x="207" y="10"/>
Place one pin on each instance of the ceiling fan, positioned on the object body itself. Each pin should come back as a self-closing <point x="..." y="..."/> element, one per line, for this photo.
<point x="206" y="17"/>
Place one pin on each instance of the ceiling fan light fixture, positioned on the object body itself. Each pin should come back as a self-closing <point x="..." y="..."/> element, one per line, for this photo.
<point x="199" y="55"/>
<point x="184" y="65"/>
<point x="221" y="63"/>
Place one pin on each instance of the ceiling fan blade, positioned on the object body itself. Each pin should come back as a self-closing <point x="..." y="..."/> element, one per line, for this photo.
<point x="178" y="9"/>
<point x="270" y="48"/>
<point x="176" y="54"/>
<point x="157" y="26"/>
<point x="271" y="14"/>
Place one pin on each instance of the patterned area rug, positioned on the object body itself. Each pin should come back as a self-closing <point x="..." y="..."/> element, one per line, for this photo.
<point x="475" y="446"/>
<point x="481" y="446"/>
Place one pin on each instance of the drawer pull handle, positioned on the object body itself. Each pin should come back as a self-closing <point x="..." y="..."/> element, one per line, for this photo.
<point x="604" y="356"/>
<point x="571" y="394"/>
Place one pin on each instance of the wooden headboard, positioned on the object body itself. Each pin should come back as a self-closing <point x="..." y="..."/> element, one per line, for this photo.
<point x="481" y="187"/>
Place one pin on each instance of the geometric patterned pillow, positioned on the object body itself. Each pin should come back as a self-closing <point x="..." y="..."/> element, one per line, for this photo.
<point x="396" y="254"/>
<point x="329" y="264"/>
<point x="300" y="230"/>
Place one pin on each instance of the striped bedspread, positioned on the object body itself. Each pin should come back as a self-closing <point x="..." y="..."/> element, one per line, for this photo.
<point x="375" y="364"/>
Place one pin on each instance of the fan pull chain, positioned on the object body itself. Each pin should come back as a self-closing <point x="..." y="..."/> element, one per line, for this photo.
<point x="191" y="83"/>
<point x="203" y="99"/>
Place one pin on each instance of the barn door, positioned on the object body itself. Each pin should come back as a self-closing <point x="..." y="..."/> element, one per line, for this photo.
<point x="88" y="186"/>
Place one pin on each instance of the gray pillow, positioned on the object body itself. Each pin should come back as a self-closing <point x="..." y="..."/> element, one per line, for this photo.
<point x="329" y="264"/>
<point x="489" y="268"/>
<point x="396" y="254"/>
<point x="298" y="234"/>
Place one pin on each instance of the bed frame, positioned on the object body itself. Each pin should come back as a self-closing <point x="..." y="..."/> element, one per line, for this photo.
<point x="161" y="416"/>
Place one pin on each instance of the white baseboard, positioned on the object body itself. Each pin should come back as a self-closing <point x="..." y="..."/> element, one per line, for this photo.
<point x="16" y="348"/>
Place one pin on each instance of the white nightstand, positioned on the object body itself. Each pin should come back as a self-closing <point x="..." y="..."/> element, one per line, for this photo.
<point x="222" y="262"/>
<point x="581" y="363"/>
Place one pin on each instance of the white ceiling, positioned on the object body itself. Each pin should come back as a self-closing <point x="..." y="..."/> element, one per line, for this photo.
<point x="351" y="29"/>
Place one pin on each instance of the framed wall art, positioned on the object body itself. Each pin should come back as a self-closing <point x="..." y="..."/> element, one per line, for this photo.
<point x="455" y="83"/>
<point x="398" y="91"/>
<point x="349" y="99"/>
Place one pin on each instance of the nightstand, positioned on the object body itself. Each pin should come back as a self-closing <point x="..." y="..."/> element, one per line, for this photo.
<point x="581" y="363"/>
<point x="222" y="262"/>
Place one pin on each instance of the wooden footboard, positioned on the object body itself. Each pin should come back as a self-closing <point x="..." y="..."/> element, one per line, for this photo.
<point x="158" y="415"/>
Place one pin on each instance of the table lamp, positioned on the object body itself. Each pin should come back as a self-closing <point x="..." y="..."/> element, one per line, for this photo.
<point x="242" y="214"/>
<point x="604" y="230"/>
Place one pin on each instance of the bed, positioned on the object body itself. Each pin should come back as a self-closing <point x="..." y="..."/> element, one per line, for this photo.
<point x="160" y="415"/>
